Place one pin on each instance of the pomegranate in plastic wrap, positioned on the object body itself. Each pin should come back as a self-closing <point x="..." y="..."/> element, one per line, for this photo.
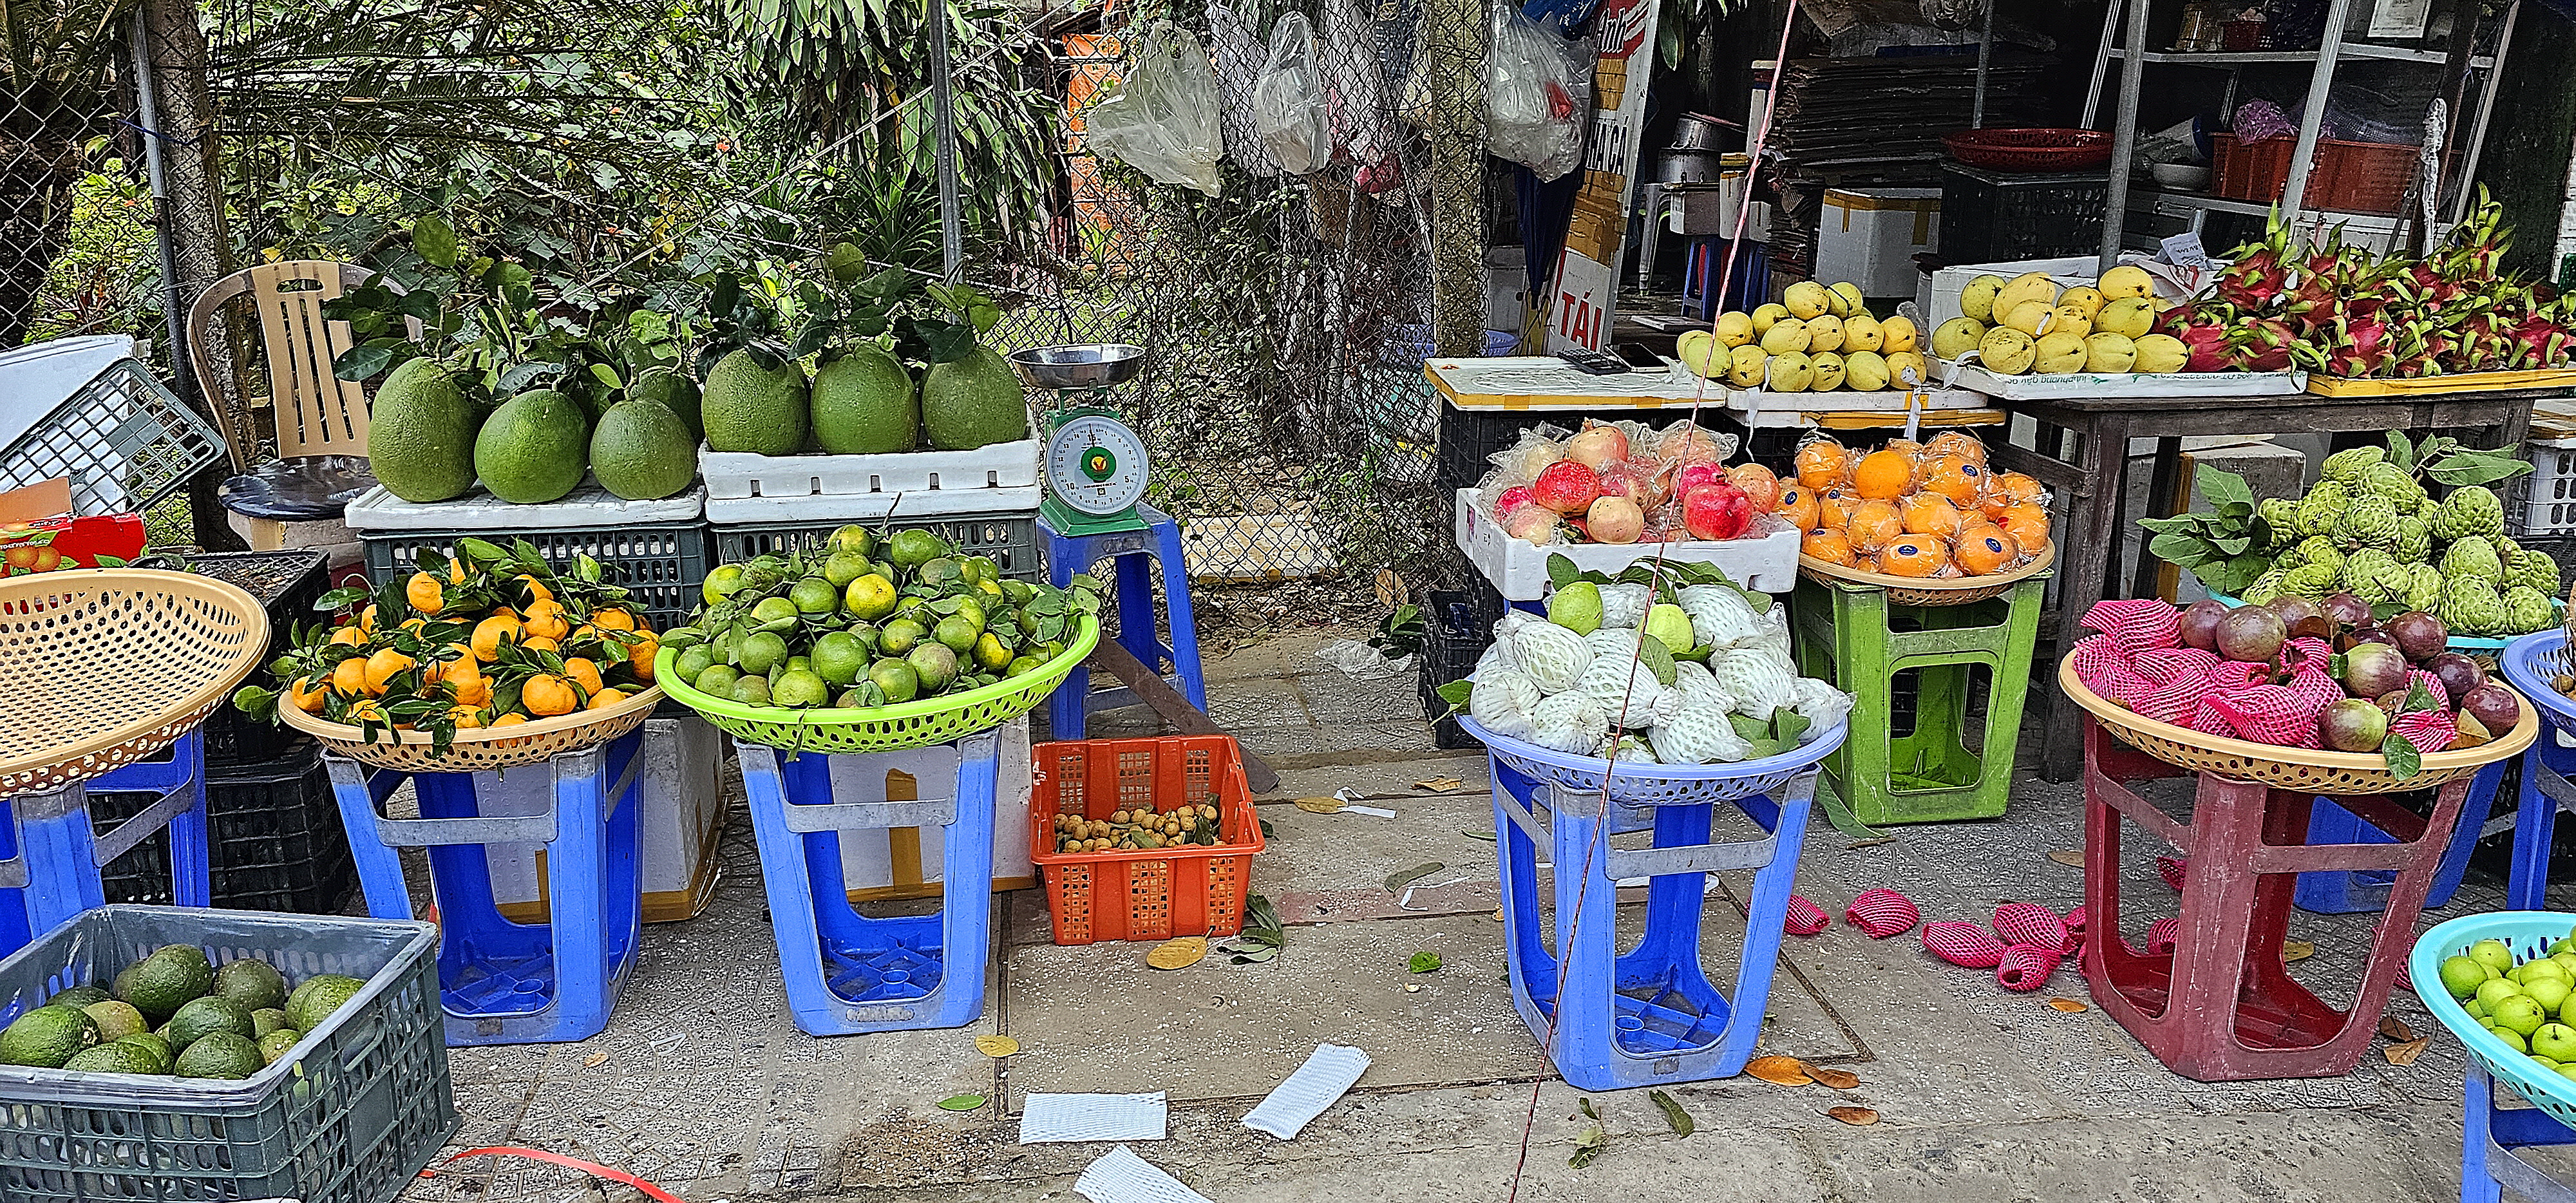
<point x="1719" y="511"/>
<point x="1614" y="519"/>
<point x="1599" y="443"/>
<point x="1683" y="443"/>
<point x="1566" y="487"/>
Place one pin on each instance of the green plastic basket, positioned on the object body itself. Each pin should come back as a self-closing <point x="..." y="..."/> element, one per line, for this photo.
<point x="845" y="730"/>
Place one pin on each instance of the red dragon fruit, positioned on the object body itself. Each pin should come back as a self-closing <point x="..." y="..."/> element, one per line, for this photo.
<point x="2259" y="273"/>
<point x="2266" y="344"/>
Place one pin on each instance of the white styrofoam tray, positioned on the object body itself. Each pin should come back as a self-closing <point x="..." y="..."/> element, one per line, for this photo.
<point x="2062" y="385"/>
<point x="1767" y="562"/>
<point x="733" y="475"/>
<point x="873" y="507"/>
<point x="586" y="506"/>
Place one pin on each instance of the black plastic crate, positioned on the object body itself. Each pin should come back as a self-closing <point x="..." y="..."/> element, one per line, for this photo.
<point x="287" y="583"/>
<point x="661" y="565"/>
<point x="1468" y="436"/>
<point x="1456" y="626"/>
<point x="273" y="835"/>
<point x="1010" y="538"/>
<point x="1998" y="217"/>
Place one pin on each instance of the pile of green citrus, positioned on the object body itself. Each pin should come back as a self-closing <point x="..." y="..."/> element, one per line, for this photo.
<point x="214" y="1022"/>
<point x="870" y="620"/>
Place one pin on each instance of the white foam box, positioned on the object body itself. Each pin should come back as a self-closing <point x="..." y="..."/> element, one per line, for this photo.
<point x="1869" y="236"/>
<point x="1937" y="295"/>
<point x="2061" y="385"/>
<point x="904" y="862"/>
<point x="734" y="475"/>
<point x="873" y="507"/>
<point x="681" y="792"/>
<point x="1767" y="562"/>
<point x="588" y="505"/>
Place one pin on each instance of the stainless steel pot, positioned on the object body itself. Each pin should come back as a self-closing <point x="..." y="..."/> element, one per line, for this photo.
<point x="1693" y="131"/>
<point x="1686" y="167"/>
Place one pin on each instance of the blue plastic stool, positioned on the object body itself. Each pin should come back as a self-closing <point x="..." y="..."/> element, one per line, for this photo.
<point x="502" y="982"/>
<point x="1161" y="540"/>
<point x="847" y="973"/>
<point x="50" y="854"/>
<point x="1751" y="282"/>
<point x="1648" y="1017"/>
<point x="2350" y="892"/>
<point x="2489" y="1138"/>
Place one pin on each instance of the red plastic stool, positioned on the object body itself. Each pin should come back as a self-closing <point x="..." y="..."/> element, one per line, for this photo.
<point x="2221" y="1007"/>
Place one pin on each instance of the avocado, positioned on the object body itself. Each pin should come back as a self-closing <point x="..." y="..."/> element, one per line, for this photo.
<point x="47" y="1036"/>
<point x="318" y="996"/>
<point x="158" y="985"/>
<point x="268" y="1019"/>
<point x="750" y="408"/>
<point x="974" y="401"/>
<point x="534" y="448"/>
<point x="274" y="1045"/>
<point x="671" y="391"/>
<point x="206" y="1015"/>
<point x="864" y="403"/>
<point x="115" y="1019"/>
<point x="78" y="997"/>
<point x="420" y="434"/>
<point x="114" y="1058"/>
<point x="642" y="451"/>
<point x="158" y="1045"/>
<point x="220" y="1055"/>
<point x="250" y="984"/>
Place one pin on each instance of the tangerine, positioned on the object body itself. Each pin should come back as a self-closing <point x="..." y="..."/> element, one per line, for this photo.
<point x="639" y="656"/>
<point x="1913" y="555"/>
<point x="349" y="636"/>
<point x="1957" y="479"/>
<point x="465" y="717"/>
<point x="511" y="719"/>
<point x="382" y="666"/>
<point x="1873" y="525"/>
<point x="1822" y="464"/>
<point x="1883" y="476"/>
<point x="1827" y="544"/>
<point x="489" y="633"/>
<point x="1798" y="507"/>
<point x="1834" y="508"/>
<point x="1957" y="443"/>
<point x="349" y="677"/>
<point x="1930" y="514"/>
<point x="2027" y="524"/>
<point x="541" y="643"/>
<point x="1985" y="548"/>
<point x="546" y="695"/>
<point x="424" y="593"/>
<point x="584" y="671"/>
<point x="307" y="694"/>
<point x="610" y="618"/>
<point x="605" y="698"/>
<point x="547" y="618"/>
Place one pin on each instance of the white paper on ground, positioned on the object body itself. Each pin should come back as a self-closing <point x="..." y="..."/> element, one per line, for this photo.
<point x="1120" y="1176"/>
<point x="1064" y="1117"/>
<point x="1322" y="1080"/>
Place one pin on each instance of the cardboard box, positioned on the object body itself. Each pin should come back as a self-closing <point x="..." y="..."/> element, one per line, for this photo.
<point x="680" y="790"/>
<point x="38" y="532"/>
<point x="1870" y="236"/>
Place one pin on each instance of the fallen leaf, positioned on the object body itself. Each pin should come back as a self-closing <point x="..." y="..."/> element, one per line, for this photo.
<point x="1837" y="1079"/>
<point x="594" y="1060"/>
<point x="996" y="1046"/>
<point x="2395" y="1029"/>
<point x="1498" y="915"/>
<point x="1423" y="962"/>
<point x="2405" y="1054"/>
<point x="1588" y="1145"/>
<point x="2068" y="1005"/>
<point x="1320" y="806"/>
<point x="961" y="1102"/>
<point x="1439" y="784"/>
<point x="2296" y="950"/>
<point x="1780" y="1071"/>
<point x="1872" y="843"/>
<point x="2072" y="858"/>
<point x="1177" y="954"/>
<point x="1486" y="836"/>
<point x="1858" y="1117"/>
<point x="1673" y="1113"/>
<point x="1396" y="881"/>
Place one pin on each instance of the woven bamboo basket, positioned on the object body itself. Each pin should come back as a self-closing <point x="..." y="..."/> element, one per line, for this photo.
<point x="1927" y="591"/>
<point x="482" y="748"/>
<point x="102" y="667"/>
<point x="2335" y="774"/>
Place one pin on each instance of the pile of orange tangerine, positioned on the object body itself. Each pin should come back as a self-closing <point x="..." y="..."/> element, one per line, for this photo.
<point x="1929" y="509"/>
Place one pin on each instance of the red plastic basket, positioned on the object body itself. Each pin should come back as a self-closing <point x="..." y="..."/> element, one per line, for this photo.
<point x="2030" y="149"/>
<point x="2353" y="177"/>
<point x="1145" y="894"/>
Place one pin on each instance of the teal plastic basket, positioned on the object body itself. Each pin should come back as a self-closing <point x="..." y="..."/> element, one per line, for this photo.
<point x="2528" y="934"/>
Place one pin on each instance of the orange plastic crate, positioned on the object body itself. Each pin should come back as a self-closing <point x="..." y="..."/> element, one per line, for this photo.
<point x="1144" y="894"/>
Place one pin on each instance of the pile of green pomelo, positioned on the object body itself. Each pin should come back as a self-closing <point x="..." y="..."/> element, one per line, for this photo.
<point x="175" y="1014"/>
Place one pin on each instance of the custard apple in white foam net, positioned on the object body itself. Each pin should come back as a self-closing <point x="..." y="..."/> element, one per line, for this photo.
<point x="1624" y="605"/>
<point x="1720" y="617"/>
<point x="1819" y="703"/>
<point x="1569" y="722"/>
<point x="1698" y="737"/>
<point x="1627" y="689"/>
<point x="1698" y="690"/>
<point x="1760" y="681"/>
<point x="1552" y="655"/>
<point x="1502" y="701"/>
<point x="1499" y="655"/>
<point x="1632" y="749"/>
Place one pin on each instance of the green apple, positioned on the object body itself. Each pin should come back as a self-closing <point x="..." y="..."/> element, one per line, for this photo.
<point x="2492" y="954"/>
<point x="2556" y="1041"/>
<point x="2566" y="1070"/>
<point x="2520" y="1014"/>
<point x="2511" y="1038"/>
<point x="2551" y="993"/>
<point x="2476" y="1009"/>
<point x="2545" y="967"/>
<point x="2462" y="976"/>
<point x="2497" y="989"/>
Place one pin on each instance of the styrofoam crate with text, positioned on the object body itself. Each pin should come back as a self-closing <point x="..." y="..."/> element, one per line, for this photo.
<point x="736" y="475"/>
<point x="1765" y="559"/>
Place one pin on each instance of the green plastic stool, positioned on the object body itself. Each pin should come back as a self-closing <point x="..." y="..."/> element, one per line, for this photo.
<point x="1846" y="634"/>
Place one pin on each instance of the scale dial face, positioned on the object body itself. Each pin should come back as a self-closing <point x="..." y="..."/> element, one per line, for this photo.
<point x="1095" y="464"/>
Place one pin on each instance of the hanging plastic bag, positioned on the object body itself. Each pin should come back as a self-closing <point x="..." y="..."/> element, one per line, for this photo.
<point x="1538" y="96"/>
<point x="1288" y="104"/>
<point x="1162" y="118"/>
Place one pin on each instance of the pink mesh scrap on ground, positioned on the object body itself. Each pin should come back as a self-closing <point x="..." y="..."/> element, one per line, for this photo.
<point x="2429" y="730"/>
<point x="1805" y="918"/>
<point x="2270" y="714"/>
<point x="2030" y="923"/>
<point x="2171" y="868"/>
<point x="2027" y="967"/>
<point x="2162" y="934"/>
<point x="2139" y="624"/>
<point x="2074" y="922"/>
<point x="1965" y="945"/>
<point x="1882" y="913"/>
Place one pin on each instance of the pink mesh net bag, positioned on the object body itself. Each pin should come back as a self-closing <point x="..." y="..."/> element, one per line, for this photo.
<point x="2171" y="868"/>
<point x="2162" y="934"/>
<point x="2169" y="664"/>
<point x="2311" y="687"/>
<point x="2207" y="719"/>
<point x="2174" y="701"/>
<point x="2026" y="967"/>
<point x="2139" y="624"/>
<point x="2074" y="929"/>
<point x="2429" y="730"/>
<point x="1805" y="918"/>
<point x="2306" y="651"/>
<point x="2432" y="685"/>
<point x="2236" y="676"/>
<point x="1965" y="945"/>
<point x="2030" y="923"/>
<point x="1882" y="913"/>
<point x="2270" y="714"/>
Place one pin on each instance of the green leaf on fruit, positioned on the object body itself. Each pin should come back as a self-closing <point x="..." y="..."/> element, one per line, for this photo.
<point x="2403" y="760"/>
<point x="1561" y="571"/>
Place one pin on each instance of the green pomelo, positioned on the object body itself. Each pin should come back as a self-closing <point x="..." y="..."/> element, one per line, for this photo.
<point x="534" y="448"/>
<point x="420" y="434"/>
<point x="642" y="451"/>
<point x="750" y="408"/>
<point x="974" y="401"/>
<point x="864" y="403"/>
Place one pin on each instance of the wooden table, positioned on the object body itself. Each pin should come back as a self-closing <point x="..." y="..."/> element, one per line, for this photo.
<point x="2092" y="478"/>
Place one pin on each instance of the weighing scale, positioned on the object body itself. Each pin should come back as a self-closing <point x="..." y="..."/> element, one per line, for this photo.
<point x="1094" y="465"/>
